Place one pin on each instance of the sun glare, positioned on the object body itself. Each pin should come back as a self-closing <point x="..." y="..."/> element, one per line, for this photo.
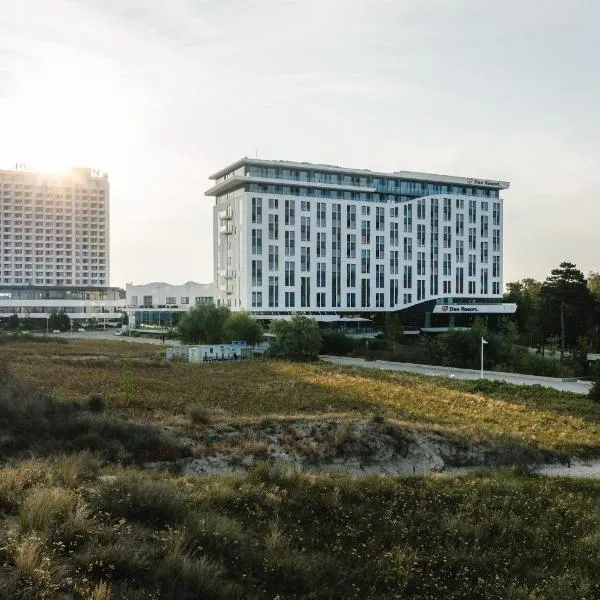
<point x="64" y="120"/>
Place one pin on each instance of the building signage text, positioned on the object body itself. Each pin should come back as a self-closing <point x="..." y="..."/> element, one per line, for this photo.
<point x="473" y="181"/>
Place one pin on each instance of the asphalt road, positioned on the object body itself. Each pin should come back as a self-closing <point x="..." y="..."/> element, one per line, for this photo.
<point x="579" y="387"/>
<point x="108" y="334"/>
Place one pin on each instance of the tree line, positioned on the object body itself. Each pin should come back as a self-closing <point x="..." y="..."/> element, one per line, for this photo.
<point x="562" y="312"/>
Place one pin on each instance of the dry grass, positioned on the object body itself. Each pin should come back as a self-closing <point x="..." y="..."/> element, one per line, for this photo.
<point x="163" y="392"/>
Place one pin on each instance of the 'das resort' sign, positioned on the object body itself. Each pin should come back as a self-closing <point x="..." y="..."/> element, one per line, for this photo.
<point x="484" y="309"/>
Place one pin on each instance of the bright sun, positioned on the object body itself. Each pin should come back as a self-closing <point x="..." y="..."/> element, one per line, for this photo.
<point x="63" y="120"/>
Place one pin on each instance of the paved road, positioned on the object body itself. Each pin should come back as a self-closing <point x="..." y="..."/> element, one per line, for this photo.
<point x="579" y="387"/>
<point x="108" y="334"/>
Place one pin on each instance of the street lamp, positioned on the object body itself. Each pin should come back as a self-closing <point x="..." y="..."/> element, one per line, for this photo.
<point x="483" y="342"/>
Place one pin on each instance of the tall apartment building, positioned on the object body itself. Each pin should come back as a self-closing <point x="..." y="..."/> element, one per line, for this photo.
<point x="330" y="240"/>
<point x="54" y="244"/>
<point x="54" y="229"/>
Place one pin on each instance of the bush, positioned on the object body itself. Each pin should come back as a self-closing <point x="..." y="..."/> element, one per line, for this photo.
<point x="298" y="339"/>
<point x="337" y="343"/>
<point x="95" y="403"/>
<point x="594" y="393"/>
<point x="140" y="498"/>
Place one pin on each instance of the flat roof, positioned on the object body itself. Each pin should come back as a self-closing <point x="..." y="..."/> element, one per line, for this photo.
<point x="413" y="175"/>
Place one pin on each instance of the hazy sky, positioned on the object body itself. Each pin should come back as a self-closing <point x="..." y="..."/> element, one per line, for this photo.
<point x="161" y="93"/>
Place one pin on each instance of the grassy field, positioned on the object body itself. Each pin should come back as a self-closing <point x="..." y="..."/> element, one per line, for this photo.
<point x="137" y="382"/>
<point x="272" y="534"/>
<point x="77" y="522"/>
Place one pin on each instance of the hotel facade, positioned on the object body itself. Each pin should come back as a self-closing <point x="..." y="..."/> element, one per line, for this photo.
<point x="334" y="241"/>
<point x="54" y="245"/>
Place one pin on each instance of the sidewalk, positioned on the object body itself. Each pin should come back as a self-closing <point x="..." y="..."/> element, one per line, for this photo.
<point x="578" y="387"/>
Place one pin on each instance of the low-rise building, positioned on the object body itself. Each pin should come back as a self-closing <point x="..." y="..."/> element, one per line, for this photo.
<point x="159" y="305"/>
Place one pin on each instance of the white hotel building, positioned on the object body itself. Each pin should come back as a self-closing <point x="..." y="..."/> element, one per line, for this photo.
<point x="54" y="245"/>
<point x="335" y="241"/>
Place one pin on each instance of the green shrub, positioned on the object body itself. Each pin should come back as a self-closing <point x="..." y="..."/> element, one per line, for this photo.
<point x="136" y="497"/>
<point x="95" y="403"/>
<point x="337" y="343"/>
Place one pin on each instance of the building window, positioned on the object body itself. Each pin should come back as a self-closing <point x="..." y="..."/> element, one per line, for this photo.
<point x="290" y="273"/>
<point x="447" y="264"/>
<point x="472" y="291"/>
<point x="380" y="300"/>
<point x="420" y="263"/>
<point x="393" y="292"/>
<point x="365" y="261"/>
<point x="408" y="248"/>
<point x="421" y="209"/>
<point x="484" y="281"/>
<point x="256" y="299"/>
<point x="290" y="299"/>
<point x="290" y="212"/>
<point x="351" y="216"/>
<point x="273" y="203"/>
<point x="321" y="274"/>
<point x="379" y="276"/>
<point x="273" y="258"/>
<point x="257" y="241"/>
<point x="304" y="258"/>
<point x="365" y="293"/>
<point x="304" y="205"/>
<point x="351" y="300"/>
<point x="365" y="232"/>
<point x="380" y="247"/>
<point x="408" y="218"/>
<point x="484" y="225"/>
<point x="495" y="266"/>
<point x="420" y="235"/>
<point x="290" y="243"/>
<point x="472" y="211"/>
<point x="273" y="291"/>
<point x="379" y="218"/>
<point x="394" y="237"/>
<point x="147" y="300"/>
<point x="460" y="280"/>
<point x="365" y="211"/>
<point x="321" y="301"/>
<point x="305" y="292"/>
<point x="273" y="227"/>
<point x="305" y="229"/>
<point x="394" y="261"/>
<point x="496" y="288"/>
<point x="350" y="275"/>
<point x="472" y="238"/>
<point x="420" y="289"/>
<point x="447" y="214"/>
<point x="407" y="280"/>
<point x="460" y="224"/>
<point x="170" y="300"/>
<point x="460" y="251"/>
<point x="472" y="265"/>
<point x="185" y="300"/>
<point x="484" y="252"/>
<point x="496" y="240"/>
<point x="321" y="214"/>
<point x="321" y="244"/>
<point x="257" y="273"/>
<point x="496" y="213"/>
<point x="351" y="245"/>
<point x="257" y="211"/>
